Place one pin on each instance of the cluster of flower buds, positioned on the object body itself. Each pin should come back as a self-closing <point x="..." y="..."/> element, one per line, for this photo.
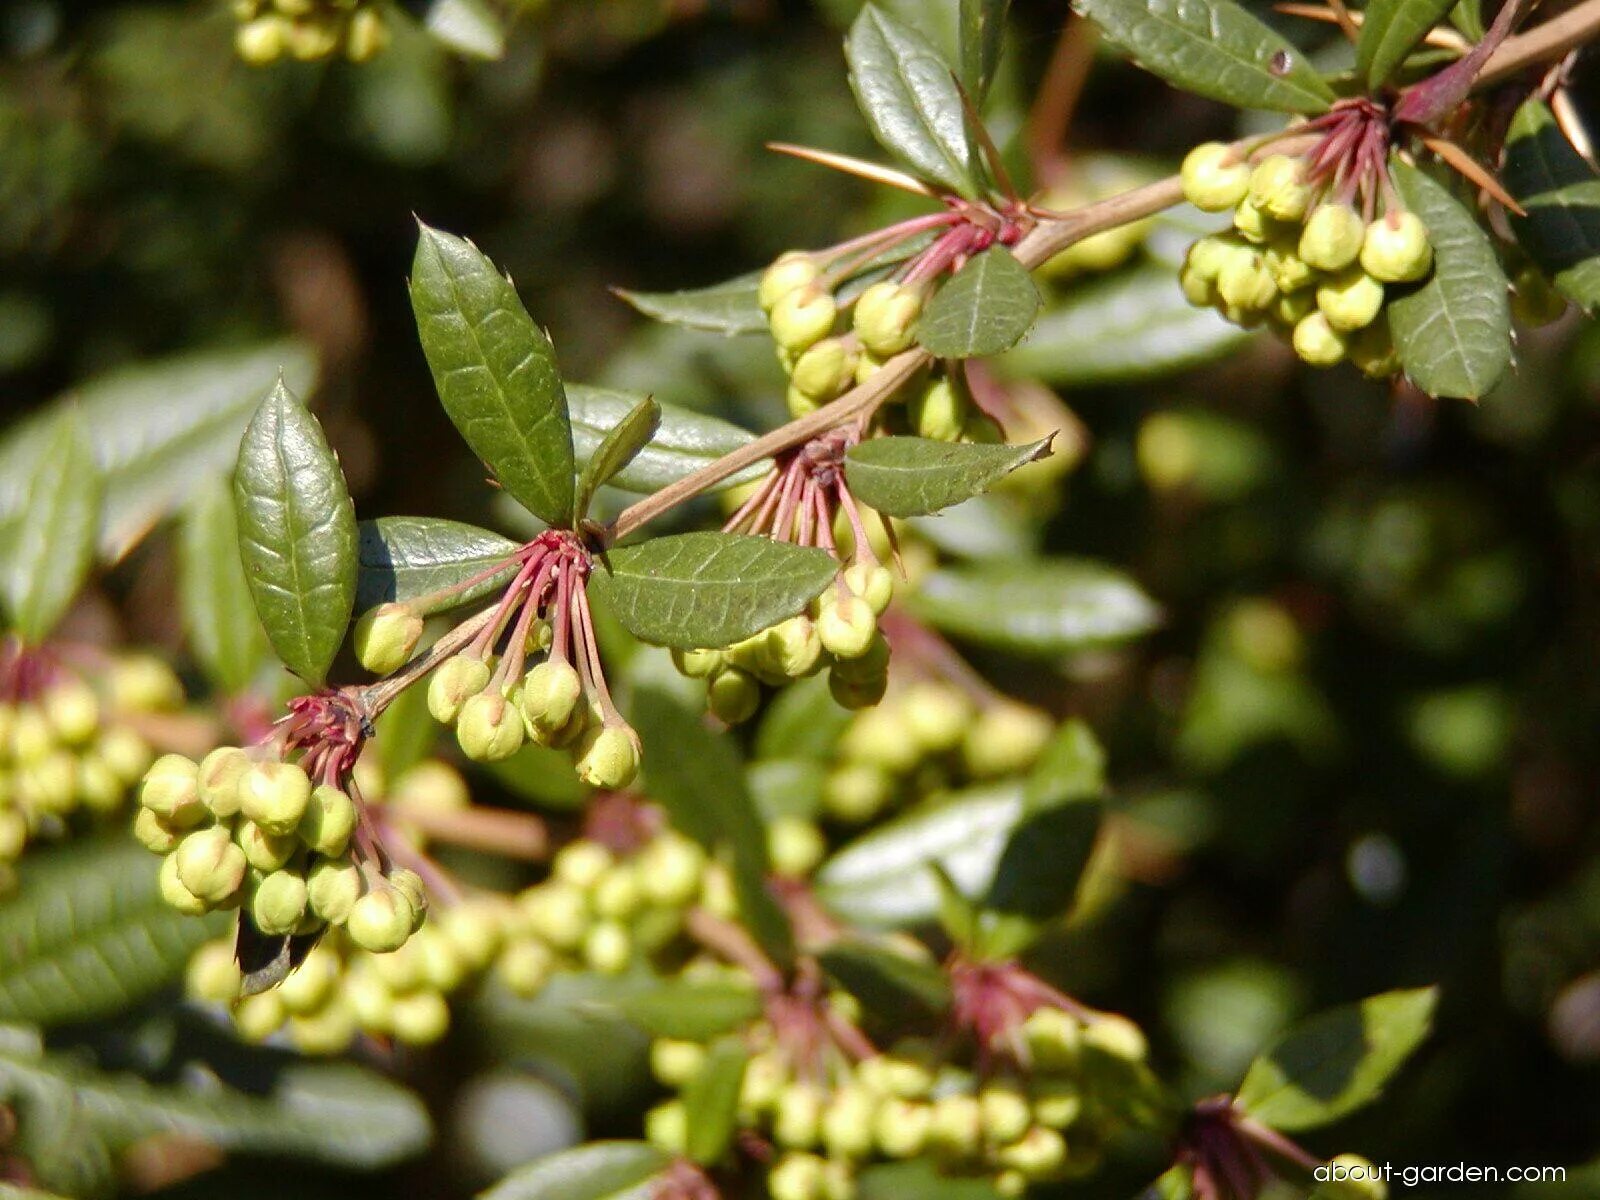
<point x="495" y="706"/>
<point x="309" y="30"/>
<point x="1302" y="257"/>
<point x="342" y="991"/>
<point x="243" y="829"/>
<point x="822" y="1114"/>
<point x="927" y="735"/>
<point x="68" y="740"/>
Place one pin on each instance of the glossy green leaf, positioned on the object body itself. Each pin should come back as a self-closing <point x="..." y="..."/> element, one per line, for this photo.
<point x="911" y="476"/>
<point x="803" y="721"/>
<point x="983" y="27"/>
<point x="711" y="1101"/>
<point x="1036" y="880"/>
<point x="47" y="547"/>
<point x="74" y="1121"/>
<point x="985" y="308"/>
<point x="297" y="534"/>
<point x="697" y="776"/>
<point x="920" y="1179"/>
<point x="1128" y="327"/>
<point x="882" y="878"/>
<point x="1453" y="331"/>
<point x="888" y="982"/>
<point x="729" y="307"/>
<point x="694" y="1010"/>
<point x="219" y="617"/>
<point x="595" y="1171"/>
<point x="88" y="935"/>
<point x="158" y="431"/>
<point x="495" y="371"/>
<point x="1072" y="767"/>
<point x="1043" y="607"/>
<point x="683" y="442"/>
<point x="468" y="27"/>
<point x="909" y="97"/>
<point x="619" y="447"/>
<point x="406" y="558"/>
<point x="1336" y="1062"/>
<point x="1561" y="193"/>
<point x="787" y="787"/>
<point x="695" y="590"/>
<point x="1392" y="29"/>
<point x="1213" y="48"/>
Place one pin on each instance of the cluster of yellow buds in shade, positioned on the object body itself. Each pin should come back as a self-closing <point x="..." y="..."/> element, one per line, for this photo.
<point x="241" y="829"/>
<point x="826" y="1117"/>
<point x="927" y="735"/>
<point x="309" y="30"/>
<point x="68" y="736"/>
<point x="1313" y="269"/>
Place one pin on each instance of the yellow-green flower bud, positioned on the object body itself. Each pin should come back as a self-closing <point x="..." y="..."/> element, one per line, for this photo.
<point x="867" y="365"/>
<point x="380" y="921"/>
<point x="697" y="664"/>
<point x="789" y="272"/>
<point x="733" y="695"/>
<point x="847" y="1122"/>
<point x="847" y="627"/>
<point x="855" y="693"/>
<point x="152" y="832"/>
<point x="385" y="636"/>
<point x="72" y="710"/>
<point x="937" y="714"/>
<point x="125" y="752"/>
<point x="550" y="694"/>
<point x="487" y="730"/>
<point x="312" y="984"/>
<point x="1318" y="342"/>
<point x="143" y="683"/>
<point x="1332" y="237"/>
<point x="792" y="647"/>
<point x="31" y="736"/>
<point x="1350" y="1177"/>
<point x="824" y="370"/>
<point x="258" y="1017"/>
<point x="175" y="893"/>
<point x="1053" y="1037"/>
<point x="1253" y="225"/>
<point x="802" y="318"/>
<point x="420" y="1019"/>
<point x="856" y="792"/>
<point x="212" y="975"/>
<point x="1057" y="1103"/>
<point x="608" y="757"/>
<point x="220" y="772"/>
<point x="873" y="582"/>
<point x="901" y="1127"/>
<point x="1350" y="300"/>
<point x="1006" y="1113"/>
<point x="956" y="1128"/>
<point x="581" y="864"/>
<point x="557" y="913"/>
<point x="838" y="1181"/>
<point x="666" y="1126"/>
<point x="456" y="681"/>
<point x="171" y="790"/>
<point x="885" y="318"/>
<point x="274" y="795"/>
<point x="1246" y="282"/>
<point x="1372" y="351"/>
<point x="525" y="966"/>
<point x="1289" y="271"/>
<point x="279" y="902"/>
<point x="940" y="410"/>
<point x="1396" y="248"/>
<point x="1278" y="187"/>
<point x="797" y="1120"/>
<point x="1207" y="256"/>
<point x="475" y="930"/>
<point x="675" y="1063"/>
<point x="1197" y="290"/>
<point x="1039" y="1155"/>
<point x="608" y="948"/>
<point x="261" y="42"/>
<point x="617" y="894"/>
<point x="798" y="403"/>
<point x="329" y="820"/>
<point x="332" y="889"/>
<point x="870" y="665"/>
<point x="1211" y="178"/>
<point x="1004" y="739"/>
<point x="1113" y="1034"/>
<point x="1293" y="307"/>
<point x="209" y="865"/>
<point x="796" y="1177"/>
<point x="366" y="35"/>
<point x="795" y="846"/>
<point x="670" y="868"/>
<point x="262" y="850"/>
<point x="409" y="884"/>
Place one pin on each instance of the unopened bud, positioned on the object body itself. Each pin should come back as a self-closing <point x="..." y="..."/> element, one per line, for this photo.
<point x="385" y="637"/>
<point x="1005" y="738"/>
<point x="209" y="865"/>
<point x="1396" y="248"/>
<point x="608" y="757"/>
<point x="856" y="694"/>
<point x="1006" y="1113"/>
<point x="937" y="715"/>
<point x="550" y="694"/>
<point x="487" y="730"/>
<point x="332" y="889"/>
<point x="795" y="846"/>
<point x="220" y="772"/>
<point x="143" y="683"/>
<point x="366" y="35"/>
<point x="72" y="710"/>
<point x="1350" y="300"/>
<point x="789" y="272"/>
<point x="1372" y="351"/>
<point x="455" y="681"/>
<point x="956" y="1127"/>
<point x="420" y="1019"/>
<point x="608" y="948"/>
<point x="409" y="884"/>
<point x="847" y="627"/>
<point x="1038" y="1155"/>
<point x="212" y="975"/>
<point x="873" y="582"/>
<point x="380" y="921"/>
<point x="152" y="832"/>
<point x="261" y="41"/>
<point x="885" y="318"/>
<point x="697" y="664"/>
<point x="871" y="664"/>
<point x="1317" y="342"/>
<point x="733" y="695"/>
<point x="1212" y="181"/>
<point x="796" y="1177"/>
<point x="171" y="790"/>
<point x="824" y="370"/>
<point x="274" y="795"/>
<point x="526" y="966"/>
<point x="901" y="1127"/>
<point x="279" y="903"/>
<point x="803" y="317"/>
<point x="1278" y="187"/>
<point x="940" y="410"/>
<point x="1246" y="281"/>
<point x="1332" y="237"/>
<point x="329" y="820"/>
<point x="262" y="850"/>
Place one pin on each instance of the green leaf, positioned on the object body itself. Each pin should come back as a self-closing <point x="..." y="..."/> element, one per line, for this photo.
<point x="1213" y="48"/>
<point x="909" y="97"/>
<point x="711" y="1101"/>
<point x="729" y="307"/>
<point x="983" y="27"/>
<point x="159" y="431"/>
<point x="683" y="442"/>
<point x="620" y="446"/>
<point x="1337" y="1061"/>
<point x="910" y="476"/>
<point x="1392" y="29"/>
<point x="495" y="371"/>
<point x="1561" y="193"/>
<point x="47" y="548"/>
<point x="920" y="1179"/>
<point x="1128" y="327"/>
<point x="697" y="776"/>
<point x="1072" y="767"/>
<point x="708" y="590"/>
<point x="803" y="721"/>
<point x="87" y="934"/>
<point x="219" y="617"/>
<point x="882" y="878"/>
<point x="596" y="1171"/>
<point x="297" y="534"/>
<point x="74" y="1121"/>
<point x="1036" y="880"/>
<point x="1039" y="606"/>
<point x="986" y="307"/>
<point x="406" y="558"/>
<point x="887" y="981"/>
<point x="1453" y="331"/>
<point x="694" y="1010"/>
<point x="468" y="27"/>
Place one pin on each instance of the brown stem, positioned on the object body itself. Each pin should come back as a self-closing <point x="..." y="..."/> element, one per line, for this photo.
<point x="733" y="944"/>
<point x="497" y="831"/>
<point x="383" y="693"/>
<point x="1545" y="42"/>
<point x="1058" y="95"/>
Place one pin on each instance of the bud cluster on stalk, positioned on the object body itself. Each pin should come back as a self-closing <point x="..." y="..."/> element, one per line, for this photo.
<point x="309" y="30"/>
<point x="821" y="1110"/>
<point x="68" y="736"/>
<point x="243" y="829"/>
<point x="1300" y="257"/>
<point x="928" y="735"/>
